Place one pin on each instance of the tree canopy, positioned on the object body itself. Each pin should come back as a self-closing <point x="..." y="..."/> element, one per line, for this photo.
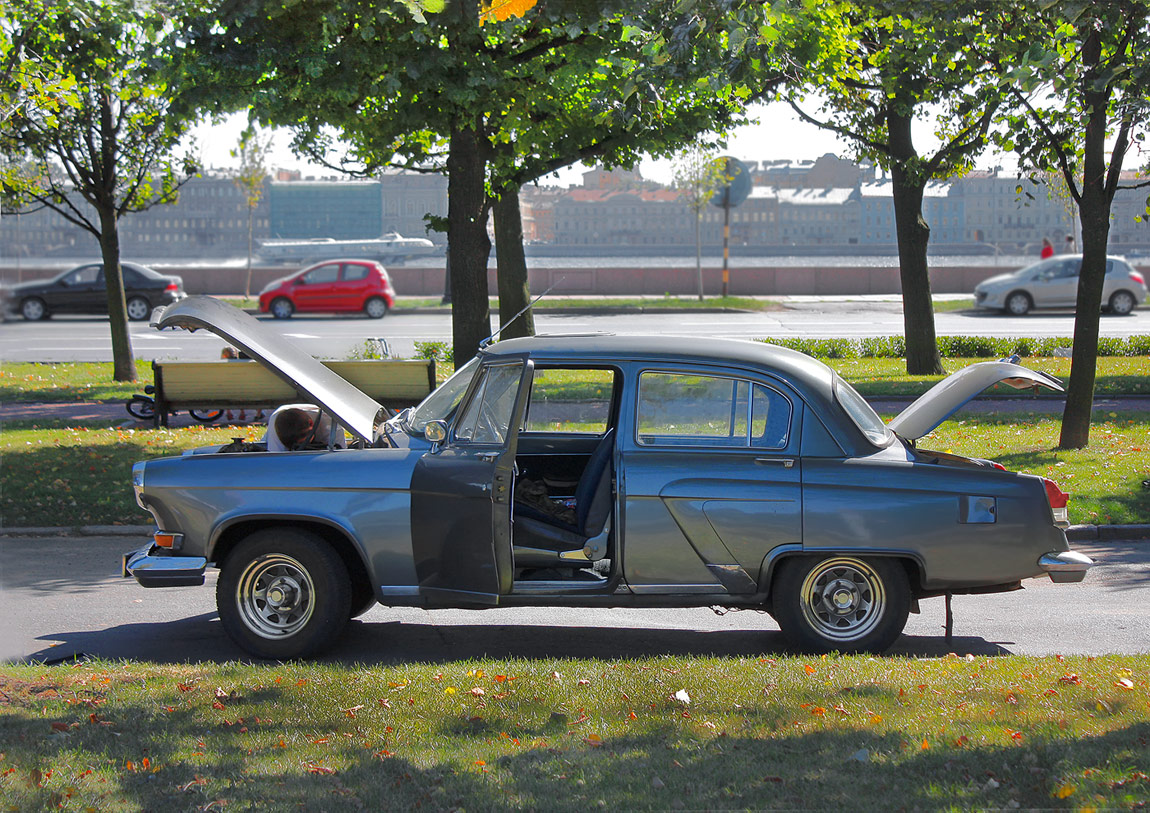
<point x="1078" y="73"/>
<point x="112" y="153"/>
<point x="492" y="102"/>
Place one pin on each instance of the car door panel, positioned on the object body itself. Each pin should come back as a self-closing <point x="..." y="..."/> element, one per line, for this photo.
<point x="739" y="503"/>
<point x="461" y="497"/>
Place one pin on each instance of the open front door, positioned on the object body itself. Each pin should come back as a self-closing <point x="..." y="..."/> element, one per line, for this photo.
<point x="461" y="493"/>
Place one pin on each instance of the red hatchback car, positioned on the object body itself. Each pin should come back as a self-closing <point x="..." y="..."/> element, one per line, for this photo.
<point x="332" y="286"/>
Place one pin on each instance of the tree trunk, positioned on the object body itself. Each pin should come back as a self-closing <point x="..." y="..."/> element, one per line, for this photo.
<point x="514" y="290"/>
<point x="468" y="246"/>
<point x="1094" y="213"/>
<point x="123" y="363"/>
<point x="922" y="357"/>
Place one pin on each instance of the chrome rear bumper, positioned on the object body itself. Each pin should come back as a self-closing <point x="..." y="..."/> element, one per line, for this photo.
<point x="163" y="571"/>
<point x="1066" y="566"/>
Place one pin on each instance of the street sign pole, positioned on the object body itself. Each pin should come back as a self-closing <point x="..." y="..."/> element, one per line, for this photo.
<point x="726" y="245"/>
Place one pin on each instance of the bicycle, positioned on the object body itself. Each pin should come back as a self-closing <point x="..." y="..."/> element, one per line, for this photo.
<point x="143" y="408"/>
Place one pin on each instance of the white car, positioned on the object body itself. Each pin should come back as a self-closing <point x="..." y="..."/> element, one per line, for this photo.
<point x="1053" y="283"/>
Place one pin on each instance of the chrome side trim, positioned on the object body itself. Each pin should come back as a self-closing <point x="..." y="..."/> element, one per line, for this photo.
<point x="676" y="588"/>
<point x="399" y="590"/>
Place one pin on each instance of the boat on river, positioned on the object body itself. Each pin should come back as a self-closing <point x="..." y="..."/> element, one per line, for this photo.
<point x="390" y="248"/>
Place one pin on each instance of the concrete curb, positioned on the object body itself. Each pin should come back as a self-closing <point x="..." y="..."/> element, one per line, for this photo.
<point x="1075" y="533"/>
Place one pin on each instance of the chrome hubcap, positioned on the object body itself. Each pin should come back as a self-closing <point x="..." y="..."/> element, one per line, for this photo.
<point x="275" y="596"/>
<point x="843" y="599"/>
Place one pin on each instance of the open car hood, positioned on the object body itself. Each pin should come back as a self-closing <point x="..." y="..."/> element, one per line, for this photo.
<point x="358" y="412"/>
<point x="944" y="398"/>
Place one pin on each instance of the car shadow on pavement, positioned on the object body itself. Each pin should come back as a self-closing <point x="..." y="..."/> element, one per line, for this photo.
<point x="201" y="639"/>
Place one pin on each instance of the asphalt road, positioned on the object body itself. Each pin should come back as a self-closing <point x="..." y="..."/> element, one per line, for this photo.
<point x="63" y="596"/>
<point x="78" y="338"/>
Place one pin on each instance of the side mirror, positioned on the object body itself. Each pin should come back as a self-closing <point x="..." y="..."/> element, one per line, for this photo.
<point x="436" y="432"/>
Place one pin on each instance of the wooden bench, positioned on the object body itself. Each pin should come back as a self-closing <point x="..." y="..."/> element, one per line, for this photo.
<point x="394" y="383"/>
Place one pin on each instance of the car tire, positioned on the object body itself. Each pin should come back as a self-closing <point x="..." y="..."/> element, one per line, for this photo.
<point x="841" y="603"/>
<point x="282" y="308"/>
<point x="375" y="308"/>
<point x="301" y="572"/>
<point x="1018" y="303"/>
<point x="33" y="309"/>
<point x="1121" y="303"/>
<point x="138" y="309"/>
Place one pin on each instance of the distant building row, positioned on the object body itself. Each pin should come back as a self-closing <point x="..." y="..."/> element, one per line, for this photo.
<point x="824" y="205"/>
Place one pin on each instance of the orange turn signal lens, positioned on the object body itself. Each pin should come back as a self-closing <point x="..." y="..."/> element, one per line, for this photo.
<point x="167" y="540"/>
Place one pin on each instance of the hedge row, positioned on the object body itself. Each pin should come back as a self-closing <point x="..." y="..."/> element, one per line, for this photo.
<point x="958" y="346"/>
<point x="893" y="347"/>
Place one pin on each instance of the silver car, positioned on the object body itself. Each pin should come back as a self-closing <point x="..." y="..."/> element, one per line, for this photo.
<point x="1053" y="283"/>
<point x="597" y="471"/>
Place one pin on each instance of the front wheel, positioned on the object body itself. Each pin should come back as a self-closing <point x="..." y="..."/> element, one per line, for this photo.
<point x="284" y="593"/>
<point x="1018" y="304"/>
<point x="375" y="308"/>
<point x="841" y="603"/>
<point x="33" y="309"/>
<point x="1122" y="303"/>
<point x="282" y="308"/>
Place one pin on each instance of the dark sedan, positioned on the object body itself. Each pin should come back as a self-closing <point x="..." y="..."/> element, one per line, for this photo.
<point x="82" y="290"/>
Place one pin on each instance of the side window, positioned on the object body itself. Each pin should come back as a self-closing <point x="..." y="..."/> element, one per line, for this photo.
<point x="699" y="410"/>
<point x="325" y="273"/>
<point x="486" y="418"/>
<point x="87" y="275"/>
<point x="570" y="400"/>
<point x="354" y="272"/>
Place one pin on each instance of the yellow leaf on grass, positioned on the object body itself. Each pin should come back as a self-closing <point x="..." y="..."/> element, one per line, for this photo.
<point x="1064" y="790"/>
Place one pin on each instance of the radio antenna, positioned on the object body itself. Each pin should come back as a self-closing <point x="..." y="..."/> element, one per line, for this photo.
<point x="503" y="326"/>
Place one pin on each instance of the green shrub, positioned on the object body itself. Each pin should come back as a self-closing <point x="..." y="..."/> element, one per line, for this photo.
<point x="958" y="346"/>
<point x="442" y="352"/>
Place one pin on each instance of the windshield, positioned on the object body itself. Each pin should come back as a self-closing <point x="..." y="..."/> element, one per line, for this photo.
<point x="864" y="417"/>
<point x="440" y="404"/>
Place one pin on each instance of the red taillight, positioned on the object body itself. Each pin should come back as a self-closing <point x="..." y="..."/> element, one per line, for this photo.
<point x="1134" y="275"/>
<point x="998" y="466"/>
<point x="1057" y="497"/>
<point x="172" y="287"/>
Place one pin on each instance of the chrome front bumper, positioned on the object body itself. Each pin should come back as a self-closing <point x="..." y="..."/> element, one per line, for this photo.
<point x="1066" y="566"/>
<point x="151" y="570"/>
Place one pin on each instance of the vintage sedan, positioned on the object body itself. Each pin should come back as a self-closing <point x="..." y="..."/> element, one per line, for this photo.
<point x="596" y="471"/>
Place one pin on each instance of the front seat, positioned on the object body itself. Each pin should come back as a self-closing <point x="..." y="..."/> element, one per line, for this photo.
<point x="541" y="540"/>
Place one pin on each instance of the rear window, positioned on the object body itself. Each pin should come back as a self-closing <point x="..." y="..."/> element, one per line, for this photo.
<point x="861" y="413"/>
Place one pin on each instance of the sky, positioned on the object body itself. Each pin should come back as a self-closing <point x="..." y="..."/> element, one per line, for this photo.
<point x="779" y="134"/>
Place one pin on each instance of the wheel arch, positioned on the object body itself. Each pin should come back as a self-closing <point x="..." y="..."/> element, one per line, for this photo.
<point x="910" y="561"/>
<point x="229" y="535"/>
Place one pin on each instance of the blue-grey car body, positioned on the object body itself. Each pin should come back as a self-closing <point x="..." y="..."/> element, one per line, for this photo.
<point x="691" y="521"/>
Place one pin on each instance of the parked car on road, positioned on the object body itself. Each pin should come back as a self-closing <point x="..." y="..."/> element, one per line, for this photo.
<point x="336" y="286"/>
<point x="1053" y="283"/>
<point x="597" y="470"/>
<point x="82" y="290"/>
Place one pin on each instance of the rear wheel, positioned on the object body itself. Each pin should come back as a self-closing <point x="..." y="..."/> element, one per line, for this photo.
<point x="1019" y="303"/>
<point x="33" y="309"/>
<point x="842" y="603"/>
<point x="282" y="308"/>
<point x="205" y="415"/>
<point x="283" y="593"/>
<point x="141" y="407"/>
<point x="375" y="308"/>
<point x="1122" y="303"/>
<point x="138" y="309"/>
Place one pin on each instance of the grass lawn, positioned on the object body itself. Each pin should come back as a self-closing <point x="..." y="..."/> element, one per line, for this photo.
<point x="851" y="733"/>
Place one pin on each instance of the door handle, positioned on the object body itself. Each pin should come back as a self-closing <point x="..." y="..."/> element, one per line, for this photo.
<point x="487" y="457"/>
<point x="785" y="462"/>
